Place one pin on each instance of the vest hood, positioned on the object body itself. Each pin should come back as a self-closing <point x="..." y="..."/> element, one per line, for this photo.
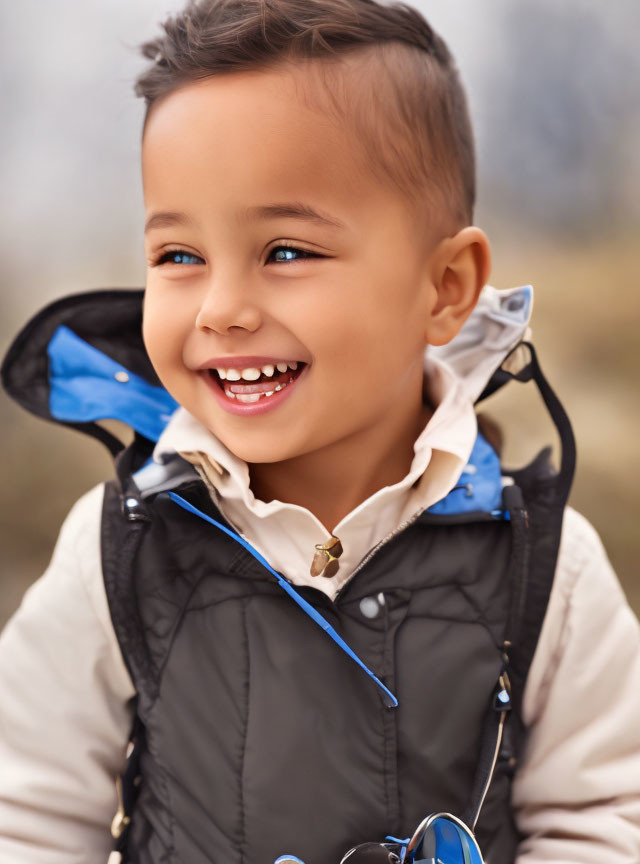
<point x="81" y="359"/>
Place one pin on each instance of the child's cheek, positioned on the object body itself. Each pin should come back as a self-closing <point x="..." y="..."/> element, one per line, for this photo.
<point x="159" y="334"/>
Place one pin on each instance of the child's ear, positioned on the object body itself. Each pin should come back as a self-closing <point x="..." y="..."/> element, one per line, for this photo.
<point x="460" y="267"/>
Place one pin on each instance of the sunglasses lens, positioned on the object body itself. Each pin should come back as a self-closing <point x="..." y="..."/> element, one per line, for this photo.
<point x="444" y="842"/>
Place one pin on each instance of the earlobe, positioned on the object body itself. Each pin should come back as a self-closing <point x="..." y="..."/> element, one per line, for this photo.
<point x="460" y="269"/>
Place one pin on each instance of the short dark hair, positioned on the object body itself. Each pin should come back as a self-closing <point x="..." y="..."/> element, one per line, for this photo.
<point x="409" y="110"/>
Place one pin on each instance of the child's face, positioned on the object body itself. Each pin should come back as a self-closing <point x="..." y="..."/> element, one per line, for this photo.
<point x="357" y="315"/>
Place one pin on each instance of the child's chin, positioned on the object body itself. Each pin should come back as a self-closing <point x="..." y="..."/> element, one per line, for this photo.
<point x="261" y="451"/>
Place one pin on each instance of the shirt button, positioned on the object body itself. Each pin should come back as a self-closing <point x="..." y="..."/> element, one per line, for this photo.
<point x="370" y="607"/>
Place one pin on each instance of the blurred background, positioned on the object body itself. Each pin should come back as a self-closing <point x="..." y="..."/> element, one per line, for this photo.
<point x="554" y="91"/>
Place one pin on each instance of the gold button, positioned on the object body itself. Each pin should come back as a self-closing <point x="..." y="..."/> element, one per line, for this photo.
<point x="325" y="561"/>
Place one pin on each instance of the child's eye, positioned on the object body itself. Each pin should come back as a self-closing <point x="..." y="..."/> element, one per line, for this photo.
<point x="178" y="256"/>
<point x="289" y="251"/>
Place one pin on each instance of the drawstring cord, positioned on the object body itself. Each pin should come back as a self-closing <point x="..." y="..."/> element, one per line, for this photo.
<point x="388" y="698"/>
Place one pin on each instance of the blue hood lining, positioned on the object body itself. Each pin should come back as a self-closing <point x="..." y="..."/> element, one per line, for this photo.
<point x="87" y="385"/>
<point x="479" y="486"/>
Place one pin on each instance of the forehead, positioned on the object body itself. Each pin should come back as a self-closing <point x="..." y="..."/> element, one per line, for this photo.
<point x="249" y="137"/>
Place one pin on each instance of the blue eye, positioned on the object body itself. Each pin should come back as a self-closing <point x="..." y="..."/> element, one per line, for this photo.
<point x="289" y="251"/>
<point x="178" y="256"/>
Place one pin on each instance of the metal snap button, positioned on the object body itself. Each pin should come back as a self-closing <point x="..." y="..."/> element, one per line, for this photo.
<point x="370" y="607"/>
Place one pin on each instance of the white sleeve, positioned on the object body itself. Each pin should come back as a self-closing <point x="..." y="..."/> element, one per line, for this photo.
<point x="65" y="707"/>
<point x="576" y="794"/>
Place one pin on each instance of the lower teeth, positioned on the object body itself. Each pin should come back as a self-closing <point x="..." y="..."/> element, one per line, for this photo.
<point x="254" y="397"/>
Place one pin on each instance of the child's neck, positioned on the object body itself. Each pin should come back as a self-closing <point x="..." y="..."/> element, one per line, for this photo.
<point x="333" y="481"/>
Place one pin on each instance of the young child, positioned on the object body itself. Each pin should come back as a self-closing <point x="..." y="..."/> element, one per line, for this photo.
<point x="311" y="596"/>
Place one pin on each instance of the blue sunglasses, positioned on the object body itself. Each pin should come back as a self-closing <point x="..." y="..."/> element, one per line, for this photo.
<point x="440" y="838"/>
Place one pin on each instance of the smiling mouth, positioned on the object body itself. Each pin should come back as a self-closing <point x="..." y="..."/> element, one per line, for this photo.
<point x="262" y="388"/>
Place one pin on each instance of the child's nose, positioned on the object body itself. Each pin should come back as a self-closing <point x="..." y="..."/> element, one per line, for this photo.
<point x="227" y="303"/>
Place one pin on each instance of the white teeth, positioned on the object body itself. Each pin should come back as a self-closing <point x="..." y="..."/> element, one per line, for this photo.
<point x="251" y="374"/>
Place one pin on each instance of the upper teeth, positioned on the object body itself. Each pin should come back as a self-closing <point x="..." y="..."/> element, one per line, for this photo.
<point x="252" y="373"/>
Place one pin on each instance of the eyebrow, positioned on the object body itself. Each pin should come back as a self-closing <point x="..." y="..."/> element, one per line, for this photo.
<point x="287" y="210"/>
<point x="165" y="219"/>
<point x="293" y="210"/>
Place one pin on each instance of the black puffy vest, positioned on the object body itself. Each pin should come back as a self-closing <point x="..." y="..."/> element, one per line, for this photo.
<point x="255" y="734"/>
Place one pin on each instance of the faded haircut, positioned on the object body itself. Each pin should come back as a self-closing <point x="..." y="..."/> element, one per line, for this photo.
<point x="387" y="76"/>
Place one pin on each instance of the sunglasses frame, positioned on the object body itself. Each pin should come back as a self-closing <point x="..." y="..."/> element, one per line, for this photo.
<point x="388" y="846"/>
<point x="427" y="821"/>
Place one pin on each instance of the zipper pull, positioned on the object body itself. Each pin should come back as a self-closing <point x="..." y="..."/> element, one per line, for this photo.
<point x="120" y="820"/>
